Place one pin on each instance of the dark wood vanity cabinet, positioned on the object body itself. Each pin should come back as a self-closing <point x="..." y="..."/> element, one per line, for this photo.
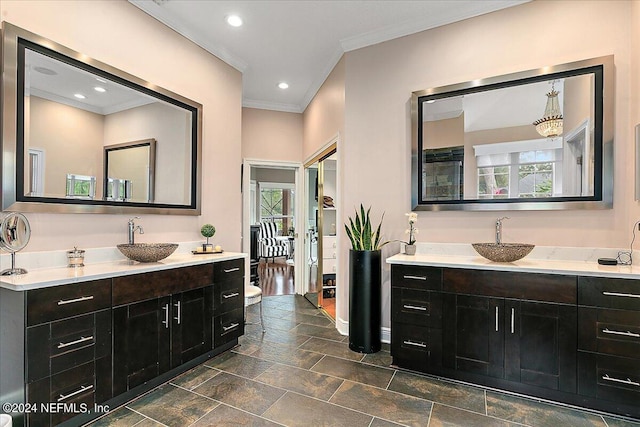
<point x="228" y="305"/>
<point x="609" y="342"/>
<point x="511" y="326"/>
<point x="560" y="337"/>
<point x="160" y="321"/>
<point x="103" y="342"/>
<point x="416" y="316"/>
<point x="68" y="349"/>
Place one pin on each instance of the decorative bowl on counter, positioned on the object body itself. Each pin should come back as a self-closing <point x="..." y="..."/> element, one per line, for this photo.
<point x="503" y="252"/>
<point x="147" y="252"/>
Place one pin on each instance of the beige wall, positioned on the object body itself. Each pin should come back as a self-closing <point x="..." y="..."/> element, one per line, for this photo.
<point x="144" y="47"/>
<point x="171" y="129"/>
<point x="72" y="142"/>
<point x="379" y="82"/>
<point x="271" y="135"/>
<point x="324" y="116"/>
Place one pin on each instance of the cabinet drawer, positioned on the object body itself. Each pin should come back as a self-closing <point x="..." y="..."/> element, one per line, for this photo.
<point x="62" y="345"/>
<point x="415" y="347"/>
<point x="76" y="386"/>
<point x="145" y="286"/>
<point x="228" y="326"/>
<point x="609" y="293"/>
<point x="416" y="277"/>
<point x="329" y="266"/>
<point x="616" y="379"/>
<point x="228" y="295"/>
<point x="615" y="332"/>
<point x="416" y="307"/>
<point x="505" y="284"/>
<point x="227" y="270"/>
<point x="58" y="302"/>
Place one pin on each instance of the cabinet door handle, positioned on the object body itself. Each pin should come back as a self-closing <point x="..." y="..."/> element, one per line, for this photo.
<point x="227" y="296"/>
<point x="179" y="316"/>
<point x="513" y="319"/>
<point x="619" y="294"/>
<point x="165" y="322"/>
<point x="626" y="334"/>
<point x="415" y="277"/>
<point x="415" y="307"/>
<point x="231" y="326"/>
<point x="231" y="270"/>
<point x="415" y="344"/>
<point x="78" y="341"/>
<point x="497" y="324"/>
<point x="81" y="390"/>
<point x="71" y="301"/>
<point x="628" y="381"/>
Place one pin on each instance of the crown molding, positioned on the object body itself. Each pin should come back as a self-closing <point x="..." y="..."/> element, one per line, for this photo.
<point x="412" y="27"/>
<point x="275" y="106"/>
<point x="156" y="11"/>
<point x="316" y="84"/>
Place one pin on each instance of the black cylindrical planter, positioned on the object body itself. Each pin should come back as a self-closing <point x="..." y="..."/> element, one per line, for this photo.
<point x="364" y="300"/>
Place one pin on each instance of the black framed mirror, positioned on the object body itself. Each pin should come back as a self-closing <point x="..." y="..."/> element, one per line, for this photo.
<point x="61" y="113"/>
<point x="534" y="140"/>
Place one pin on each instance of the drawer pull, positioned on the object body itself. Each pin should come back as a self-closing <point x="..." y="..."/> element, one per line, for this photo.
<point x="165" y="322"/>
<point x="78" y="341"/>
<point x="415" y="307"/>
<point x="513" y="319"/>
<point x="71" y="301"/>
<point x="415" y="344"/>
<point x="415" y="277"/>
<point x="231" y="326"/>
<point x="235" y="294"/>
<point x="81" y="390"/>
<point x="626" y="334"/>
<point x="619" y="294"/>
<point x="231" y="270"/>
<point x="628" y="381"/>
<point x="497" y="324"/>
<point x="178" y="305"/>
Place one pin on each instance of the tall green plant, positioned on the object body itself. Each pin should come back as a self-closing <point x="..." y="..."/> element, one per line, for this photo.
<point x="361" y="233"/>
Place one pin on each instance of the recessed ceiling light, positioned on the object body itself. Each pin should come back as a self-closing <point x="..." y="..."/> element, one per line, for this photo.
<point x="283" y="85"/>
<point x="234" y="20"/>
<point x="79" y="96"/>
<point x="99" y="89"/>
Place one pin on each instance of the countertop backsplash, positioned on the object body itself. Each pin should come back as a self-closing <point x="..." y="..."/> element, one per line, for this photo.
<point x="56" y="259"/>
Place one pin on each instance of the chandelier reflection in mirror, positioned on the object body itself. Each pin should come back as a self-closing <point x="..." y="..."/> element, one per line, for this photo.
<point x="551" y="124"/>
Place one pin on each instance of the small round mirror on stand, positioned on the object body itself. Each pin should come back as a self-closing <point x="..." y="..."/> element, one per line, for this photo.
<point x="15" y="232"/>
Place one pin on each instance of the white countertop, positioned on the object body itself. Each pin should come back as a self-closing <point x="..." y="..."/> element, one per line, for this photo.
<point x="572" y="261"/>
<point x="45" y="277"/>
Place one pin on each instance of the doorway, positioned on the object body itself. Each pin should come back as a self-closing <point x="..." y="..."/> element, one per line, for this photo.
<point x="271" y="203"/>
<point x="321" y="248"/>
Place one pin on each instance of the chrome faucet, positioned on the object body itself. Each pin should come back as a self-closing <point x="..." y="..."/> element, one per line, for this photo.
<point x="499" y="229"/>
<point x="132" y="229"/>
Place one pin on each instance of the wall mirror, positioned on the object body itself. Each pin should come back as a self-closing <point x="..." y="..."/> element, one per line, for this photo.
<point x="81" y="136"/>
<point x="534" y="140"/>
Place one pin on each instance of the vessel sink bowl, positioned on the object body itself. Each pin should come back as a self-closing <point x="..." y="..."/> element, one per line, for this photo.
<point x="503" y="252"/>
<point x="147" y="252"/>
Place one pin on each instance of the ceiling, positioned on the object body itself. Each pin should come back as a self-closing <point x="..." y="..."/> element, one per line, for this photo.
<point x="300" y="42"/>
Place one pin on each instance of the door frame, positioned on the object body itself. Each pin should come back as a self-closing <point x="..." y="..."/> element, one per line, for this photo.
<point x="331" y="145"/>
<point x="247" y="164"/>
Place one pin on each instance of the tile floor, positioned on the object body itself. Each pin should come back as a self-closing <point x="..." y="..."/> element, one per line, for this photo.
<point x="302" y="373"/>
